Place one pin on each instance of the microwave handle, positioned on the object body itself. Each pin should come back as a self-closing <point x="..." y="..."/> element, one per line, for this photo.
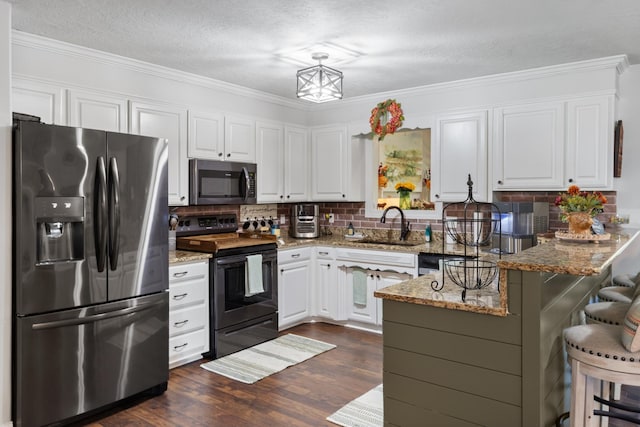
<point x="245" y="178"/>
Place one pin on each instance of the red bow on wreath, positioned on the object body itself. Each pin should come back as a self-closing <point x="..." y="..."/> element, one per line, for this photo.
<point x="386" y="118"/>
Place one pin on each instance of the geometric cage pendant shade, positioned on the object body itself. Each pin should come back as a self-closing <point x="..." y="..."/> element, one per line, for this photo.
<point x="319" y="83"/>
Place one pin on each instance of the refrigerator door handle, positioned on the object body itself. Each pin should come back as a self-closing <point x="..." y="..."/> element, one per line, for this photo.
<point x="100" y="213"/>
<point x="114" y="213"/>
<point x="94" y="318"/>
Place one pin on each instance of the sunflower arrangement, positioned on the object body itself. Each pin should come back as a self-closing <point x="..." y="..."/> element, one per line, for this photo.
<point x="406" y="187"/>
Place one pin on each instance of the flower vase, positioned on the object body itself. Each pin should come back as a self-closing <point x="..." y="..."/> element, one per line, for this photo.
<point x="579" y="222"/>
<point x="405" y="200"/>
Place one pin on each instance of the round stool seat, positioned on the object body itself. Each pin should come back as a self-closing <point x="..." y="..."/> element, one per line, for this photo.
<point x="610" y="312"/>
<point x="599" y="345"/>
<point x="627" y="280"/>
<point x="616" y="293"/>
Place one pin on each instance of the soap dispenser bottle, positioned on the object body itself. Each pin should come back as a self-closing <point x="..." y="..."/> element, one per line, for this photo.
<point x="427" y="233"/>
<point x="350" y="230"/>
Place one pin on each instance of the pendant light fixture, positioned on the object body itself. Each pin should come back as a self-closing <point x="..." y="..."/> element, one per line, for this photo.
<point x="319" y="83"/>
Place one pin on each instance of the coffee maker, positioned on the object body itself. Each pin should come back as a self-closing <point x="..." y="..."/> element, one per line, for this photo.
<point x="305" y="221"/>
<point x="517" y="225"/>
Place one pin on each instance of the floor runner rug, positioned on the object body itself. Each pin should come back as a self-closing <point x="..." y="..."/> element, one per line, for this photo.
<point x="260" y="361"/>
<point x="364" y="411"/>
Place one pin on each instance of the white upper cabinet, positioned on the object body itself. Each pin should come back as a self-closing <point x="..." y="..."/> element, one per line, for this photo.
<point x="529" y="147"/>
<point x="270" y="162"/>
<point x="97" y="111"/>
<point x="216" y="136"/>
<point x="239" y="139"/>
<point x="282" y="155"/>
<point x="459" y="148"/>
<point x="590" y="142"/>
<point x="170" y="122"/>
<point x="329" y="155"/>
<point x="206" y="135"/>
<point x="296" y="164"/>
<point x="38" y="99"/>
<point x="550" y="146"/>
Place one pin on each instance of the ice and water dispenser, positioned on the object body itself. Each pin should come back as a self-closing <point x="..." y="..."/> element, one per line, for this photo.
<point x="60" y="229"/>
<point x="519" y="224"/>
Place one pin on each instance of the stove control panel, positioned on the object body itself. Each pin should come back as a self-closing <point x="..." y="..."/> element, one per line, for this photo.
<point x="211" y="224"/>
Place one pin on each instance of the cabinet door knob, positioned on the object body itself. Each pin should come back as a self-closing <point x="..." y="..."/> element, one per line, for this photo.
<point x="219" y="154"/>
<point x="281" y="196"/>
<point x="182" y="198"/>
<point x="570" y="179"/>
<point x="344" y="195"/>
<point x="500" y="182"/>
<point x="437" y="196"/>
<point x="229" y="155"/>
<point x="288" y="196"/>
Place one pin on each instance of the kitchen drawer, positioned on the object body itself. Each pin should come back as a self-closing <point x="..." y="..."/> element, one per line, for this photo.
<point x="325" y="253"/>
<point x="187" y="320"/>
<point x="376" y="257"/>
<point x="188" y="271"/>
<point x="292" y="255"/>
<point x="187" y="347"/>
<point x="188" y="293"/>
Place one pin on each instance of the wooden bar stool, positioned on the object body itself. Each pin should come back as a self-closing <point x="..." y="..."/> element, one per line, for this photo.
<point x="603" y="353"/>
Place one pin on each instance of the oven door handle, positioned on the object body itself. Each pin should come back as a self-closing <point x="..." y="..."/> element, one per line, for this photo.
<point x="244" y="184"/>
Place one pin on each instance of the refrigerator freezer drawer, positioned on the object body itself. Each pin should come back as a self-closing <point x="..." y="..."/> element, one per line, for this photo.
<point x="71" y="362"/>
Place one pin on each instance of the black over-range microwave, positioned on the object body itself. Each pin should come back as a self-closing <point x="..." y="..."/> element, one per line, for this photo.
<point x="214" y="182"/>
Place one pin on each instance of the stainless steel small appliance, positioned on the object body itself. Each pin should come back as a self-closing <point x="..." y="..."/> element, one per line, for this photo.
<point x="519" y="224"/>
<point x="214" y="182"/>
<point x="238" y="319"/>
<point x="305" y="220"/>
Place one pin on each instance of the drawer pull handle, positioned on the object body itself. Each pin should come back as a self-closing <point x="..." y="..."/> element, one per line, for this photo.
<point x="180" y="347"/>
<point x="180" y="274"/>
<point x="323" y="253"/>
<point x="295" y="255"/>
<point x="180" y="296"/>
<point x="181" y="323"/>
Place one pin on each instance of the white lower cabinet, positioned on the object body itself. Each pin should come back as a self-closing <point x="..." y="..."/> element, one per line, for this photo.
<point x="326" y="283"/>
<point x="188" y="312"/>
<point x="328" y="302"/>
<point x="294" y="286"/>
<point x="364" y="270"/>
<point x="368" y="309"/>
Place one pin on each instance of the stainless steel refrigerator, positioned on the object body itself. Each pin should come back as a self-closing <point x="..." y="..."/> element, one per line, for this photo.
<point x="90" y="273"/>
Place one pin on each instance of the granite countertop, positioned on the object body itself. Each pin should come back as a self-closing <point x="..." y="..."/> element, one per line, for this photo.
<point x="186" y="256"/>
<point x="571" y="257"/>
<point x="419" y="291"/>
<point x="555" y="256"/>
<point x="338" y="240"/>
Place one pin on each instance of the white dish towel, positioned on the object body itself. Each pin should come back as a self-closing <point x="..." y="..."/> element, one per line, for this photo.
<point x="253" y="275"/>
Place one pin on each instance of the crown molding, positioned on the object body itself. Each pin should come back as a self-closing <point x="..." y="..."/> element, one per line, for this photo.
<point x="619" y="62"/>
<point x="28" y="40"/>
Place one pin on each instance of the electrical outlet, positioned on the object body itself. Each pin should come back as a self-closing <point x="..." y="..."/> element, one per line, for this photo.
<point x="331" y="218"/>
<point x="282" y="219"/>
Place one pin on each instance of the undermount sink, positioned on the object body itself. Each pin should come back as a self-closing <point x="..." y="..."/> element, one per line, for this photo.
<point x="388" y="242"/>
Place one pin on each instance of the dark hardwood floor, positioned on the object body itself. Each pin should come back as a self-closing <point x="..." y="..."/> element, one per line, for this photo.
<point x="302" y="395"/>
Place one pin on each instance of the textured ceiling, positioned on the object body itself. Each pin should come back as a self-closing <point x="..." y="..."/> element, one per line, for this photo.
<point x="391" y="44"/>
